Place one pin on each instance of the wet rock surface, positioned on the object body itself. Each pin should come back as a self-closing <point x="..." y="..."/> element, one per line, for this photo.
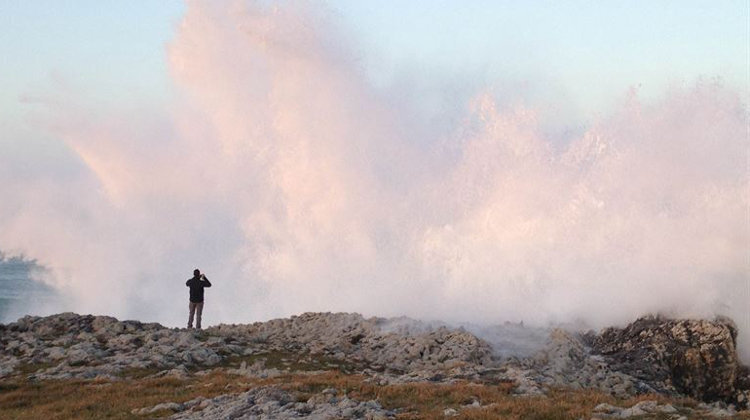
<point x="694" y="358"/>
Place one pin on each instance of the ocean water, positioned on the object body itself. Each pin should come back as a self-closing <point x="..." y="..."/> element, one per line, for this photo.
<point x="18" y="291"/>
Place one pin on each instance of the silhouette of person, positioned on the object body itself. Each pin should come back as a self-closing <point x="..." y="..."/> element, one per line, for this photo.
<point x="196" y="284"/>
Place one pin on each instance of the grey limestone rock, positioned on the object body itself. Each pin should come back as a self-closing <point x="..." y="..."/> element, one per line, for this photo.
<point x="697" y="358"/>
<point x="686" y="357"/>
<point x="274" y="403"/>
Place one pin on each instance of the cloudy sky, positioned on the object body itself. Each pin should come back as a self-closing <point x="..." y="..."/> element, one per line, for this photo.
<point x="586" y="53"/>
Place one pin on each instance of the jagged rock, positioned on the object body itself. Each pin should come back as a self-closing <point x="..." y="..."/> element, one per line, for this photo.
<point x="566" y="361"/>
<point x="256" y="370"/>
<point x="450" y="412"/>
<point x="274" y="403"/>
<point x="55" y="353"/>
<point x="696" y="358"/>
<point x="7" y="365"/>
<point x="643" y="408"/>
<point x="159" y="407"/>
<point x="180" y="372"/>
<point x="693" y="357"/>
<point x="370" y="340"/>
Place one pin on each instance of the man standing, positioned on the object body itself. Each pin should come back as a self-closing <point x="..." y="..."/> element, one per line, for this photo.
<point x="196" y="285"/>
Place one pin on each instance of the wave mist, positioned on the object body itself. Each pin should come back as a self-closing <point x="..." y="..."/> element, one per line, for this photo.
<point x="297" y="186"/>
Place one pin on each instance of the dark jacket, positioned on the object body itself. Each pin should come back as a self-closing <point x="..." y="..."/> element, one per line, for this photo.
<point x="196" y="286"/>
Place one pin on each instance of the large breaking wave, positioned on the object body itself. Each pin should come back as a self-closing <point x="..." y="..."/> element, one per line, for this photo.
<point x="295" y="185"/>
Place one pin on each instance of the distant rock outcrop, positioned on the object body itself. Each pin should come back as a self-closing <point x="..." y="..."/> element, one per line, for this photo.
<point x="697" y="358"/>
<point x="370" y="340"/>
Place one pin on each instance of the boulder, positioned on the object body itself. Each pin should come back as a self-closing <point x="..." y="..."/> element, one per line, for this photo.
<point x="697" y="358"/>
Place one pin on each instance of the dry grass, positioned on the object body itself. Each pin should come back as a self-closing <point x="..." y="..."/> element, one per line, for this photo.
<point x="80" y="399"/>
<point x="428" y="400"/>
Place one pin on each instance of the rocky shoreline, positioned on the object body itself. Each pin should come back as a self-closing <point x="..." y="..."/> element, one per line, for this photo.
<point x="677" y="358"/>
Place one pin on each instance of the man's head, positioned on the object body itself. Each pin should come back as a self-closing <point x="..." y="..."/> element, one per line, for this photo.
<point x="197" y="273"/>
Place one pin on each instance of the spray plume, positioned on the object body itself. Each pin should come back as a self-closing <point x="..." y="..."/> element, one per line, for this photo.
<point x="296" y="186"/>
